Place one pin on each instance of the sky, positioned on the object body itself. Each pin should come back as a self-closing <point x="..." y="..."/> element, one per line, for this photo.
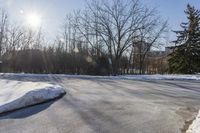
<point x="53" y="12"/>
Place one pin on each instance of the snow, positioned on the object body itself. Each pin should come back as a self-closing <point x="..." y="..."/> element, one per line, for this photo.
<point x="19" y="94"/>
<point x="195" y="127"/>
<point x="164" y="77"/>
<point x="138" y="77"/>
<point x="121" y="77"/>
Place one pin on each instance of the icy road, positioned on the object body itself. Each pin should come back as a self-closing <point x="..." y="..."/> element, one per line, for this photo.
<point x="108" y="106"/>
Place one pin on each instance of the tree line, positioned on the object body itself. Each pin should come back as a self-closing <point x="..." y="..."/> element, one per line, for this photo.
<point x="105" y="38"/>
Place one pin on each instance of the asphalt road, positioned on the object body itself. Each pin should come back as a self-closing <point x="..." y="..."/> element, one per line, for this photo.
<point x="109" y="106"/>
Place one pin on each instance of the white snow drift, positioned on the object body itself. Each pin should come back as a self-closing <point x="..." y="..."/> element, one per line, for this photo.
<point x="121" y="77"/>
<point x="195" y="127"/>
<point x="17" y="94"/>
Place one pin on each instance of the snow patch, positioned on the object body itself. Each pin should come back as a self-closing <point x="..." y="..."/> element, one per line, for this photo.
<point x="133" y="77"/>
<point x="195" y="127"/>
<point x="164" y="77"/>
<point x="120" y="77"/>
<point x="17" y="94"/>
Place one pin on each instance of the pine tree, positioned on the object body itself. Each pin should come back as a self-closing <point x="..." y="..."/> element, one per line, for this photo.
<point x="185" y="57"/>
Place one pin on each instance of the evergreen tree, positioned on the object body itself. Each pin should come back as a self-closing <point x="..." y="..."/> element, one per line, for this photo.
<point x="185" y="57"/>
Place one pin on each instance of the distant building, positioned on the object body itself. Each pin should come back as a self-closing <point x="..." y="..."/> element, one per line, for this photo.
<point x="157" y="61"/>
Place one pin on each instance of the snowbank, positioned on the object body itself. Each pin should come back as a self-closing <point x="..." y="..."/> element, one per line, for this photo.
<point x="195" y="127"/>
<point x="121" y="77"/>
<point x="163" y="77"/>
<point x="136" y="77"/>
<point x="16" y="94"/>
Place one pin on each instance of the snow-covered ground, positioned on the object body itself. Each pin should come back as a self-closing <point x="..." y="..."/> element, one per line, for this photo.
<point x="15" y="93"/>
<point x="195" y="127"/>
<point x="122" y="77"/>
<point x="164" y="77"/>
<point x="18" y="94"/>
<point x="105" y="103"/>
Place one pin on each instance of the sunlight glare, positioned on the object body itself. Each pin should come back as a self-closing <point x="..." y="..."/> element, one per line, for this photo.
<point x="21" y="11"/>
<point x="33" y="20"/>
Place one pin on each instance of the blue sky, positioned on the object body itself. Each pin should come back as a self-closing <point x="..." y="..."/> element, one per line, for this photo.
<point x="54" y="11"/>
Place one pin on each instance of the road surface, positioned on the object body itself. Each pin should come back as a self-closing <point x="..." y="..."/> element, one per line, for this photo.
<point x="109" y="106"/>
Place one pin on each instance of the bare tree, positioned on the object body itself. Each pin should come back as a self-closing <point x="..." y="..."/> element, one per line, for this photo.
<point x="67" y="31"/>
<point x="116" y="23"/>
<point x="148" y="38"/>
<point x="3" y="29"/>
<point x="15" y="36"/>
<point x="39" y="39"/>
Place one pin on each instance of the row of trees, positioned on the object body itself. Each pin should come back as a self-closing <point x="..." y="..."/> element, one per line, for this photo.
<point x="118" y="30"/>
<point x="107" y="37"/>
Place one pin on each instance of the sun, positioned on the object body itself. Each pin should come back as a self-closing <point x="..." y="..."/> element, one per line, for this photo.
<point x="33" y="20"/>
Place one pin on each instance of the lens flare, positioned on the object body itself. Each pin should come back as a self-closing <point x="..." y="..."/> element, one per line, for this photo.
<point x="33" y="20"/>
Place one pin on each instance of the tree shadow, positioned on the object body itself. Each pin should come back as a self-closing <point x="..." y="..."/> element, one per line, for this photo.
<point x="26" y="77"/>
<point x="97" y="120"/>
<point x="183" y="85"/>
<point x="26" y="112"/>
<point x="151" y="93"/>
